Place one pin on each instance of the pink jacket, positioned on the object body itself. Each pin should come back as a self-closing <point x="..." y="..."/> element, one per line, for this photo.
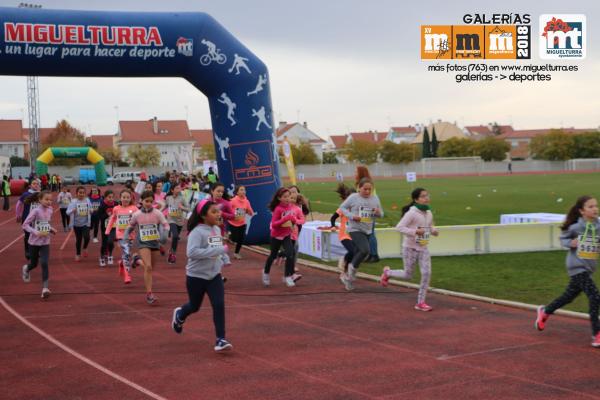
<point x="410" y="222"/>
<point x="299" y="221"/>
<point x="37" y="224"/>
<point x="282" y="221"/>
<point x="120" y="218"/>
<point x="239" y="203"/>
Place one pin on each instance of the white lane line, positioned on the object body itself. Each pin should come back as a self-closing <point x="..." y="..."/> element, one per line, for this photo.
<point x="11" y="243"/>
<point x="62" y="247"/>
<point x="79" y="356"/>
<point x="476" y="353"/>
<point x="9" y="220"/>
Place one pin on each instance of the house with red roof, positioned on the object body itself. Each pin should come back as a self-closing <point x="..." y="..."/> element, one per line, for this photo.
<point x="402" y="134"/>
<point x="202" y="138"/>
<point x="479" y="132"/>
<point x="104" y="142"/>
<point x="297" y="133"/>
<point x="520" y="140"/>
<point x="13" y="142"/>
<point x="336" y="144"/>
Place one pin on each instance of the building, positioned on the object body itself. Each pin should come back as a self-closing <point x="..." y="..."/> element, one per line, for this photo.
<point x="336" y="144"/>
<point x="402" y="134"/>
<point x="443" y="132"/>
<point x="13" y="141"/>
<point x="104" y="142"/>
<point x="172" y="138"/>
<point x="520" y="140"/>
<point x="370" y="136"/>
<point x="479" y="132"/>
<point x="297" y="134"/>
<point x="202" y="138"/>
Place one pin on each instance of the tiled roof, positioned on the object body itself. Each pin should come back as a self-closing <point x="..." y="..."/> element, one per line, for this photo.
<point x="11" y="130"/>
<point x="104" y="142"/>
<point x="283" y="129"/>
<point x="339" y="141"/>
<point x="479" y="129"/>
<point x="143" y="131"/>
<point x="372" y="137"/>
<point x="404" y="129"/>
<point x="202" y="137"/>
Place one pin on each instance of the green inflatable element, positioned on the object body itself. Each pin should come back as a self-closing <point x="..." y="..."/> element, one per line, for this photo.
<point x="41" y="165"/>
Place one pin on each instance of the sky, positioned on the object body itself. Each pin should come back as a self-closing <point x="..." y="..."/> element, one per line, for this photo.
<point x="341" y="66"/>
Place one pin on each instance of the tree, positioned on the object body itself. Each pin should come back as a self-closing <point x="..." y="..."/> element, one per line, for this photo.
<point x="491" y="149"/>
<point x="114" y="156"/>
<point x="16" y="161"/>
<point x="554" y="146"/>
<point x="65" y="135"/>
<point x="144" y="156"/>
<point x="587" y="145"/>
<point x="434" y="144"/>
<point x="330" y="158"/>
<point x="208" y="152"/>
<point x="396" y="153"/>
<point x="456" y="147"/>
<point x="362" y="151"/>
<point x="426" y="145"/>
<point x="304" y="154"/>
<point x="496" y="130"/>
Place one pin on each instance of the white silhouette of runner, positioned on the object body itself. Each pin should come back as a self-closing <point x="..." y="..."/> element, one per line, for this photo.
<point x="239" y="62"/>
<point x="231" y="189"/>
<point x="223" y="144"/>
<point x="262" y="119"/>
<point x="231" y="106"/>
<point x="262" y="79"/>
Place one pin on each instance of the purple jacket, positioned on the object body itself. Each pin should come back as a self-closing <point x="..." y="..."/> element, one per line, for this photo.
<point x="37" y="224"/>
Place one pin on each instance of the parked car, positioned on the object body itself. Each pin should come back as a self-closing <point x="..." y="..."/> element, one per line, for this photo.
<point x="68" y="180"/>
<point x="122" y="177"/>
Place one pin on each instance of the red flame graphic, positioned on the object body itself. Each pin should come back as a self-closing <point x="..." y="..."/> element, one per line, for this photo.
<point x="251" y="158"/>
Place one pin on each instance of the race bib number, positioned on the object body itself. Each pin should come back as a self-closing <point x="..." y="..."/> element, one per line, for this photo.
<point x="43" y="227"/>
<point x="95" y="207"/>
<point x="588" y="248"/>
<point x="123" y="221"/>
<point x="215" y="241"/>
<point x="174" y="212"/>
<point x="366" y="214"/>
<point x="240" y="213"/>
<point x="82" y="210"/>
<point x="423" y="240"/>
<point x="149" y="232"/>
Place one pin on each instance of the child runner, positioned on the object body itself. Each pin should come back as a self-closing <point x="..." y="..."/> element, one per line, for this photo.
<point x="37" y="224"/>
<point x="177" y="207"/>
<point x="95" y="200"/>
<point x="64" y="199"/>
<point x="121" y="216"/>
<point x="108" y="241"/>
<point x="580" y="235"/>
<point x="344" y="191"/>
<point x="23" y="208"/>
<point x="218" y="195"/>
<point x="282" y="223"/>
<point x="81" y="210"/>
<point x="360" y="209"/>
<point x="148" y="222"/>
<point x="297" y="202"/>
<point x="205" y="249"/>
<point x="416" y="225"/>
<point x="237" y="226"/>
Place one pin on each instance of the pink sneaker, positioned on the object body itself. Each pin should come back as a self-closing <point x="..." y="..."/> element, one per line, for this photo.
<point x="596" y="340"/>
<point x="423" y="307"/>
<point x="85" y="253"/>
<point x="385" y="277"/>
<point x="542" y="317"/>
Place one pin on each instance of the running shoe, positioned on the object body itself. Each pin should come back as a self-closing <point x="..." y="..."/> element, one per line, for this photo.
<point x="162" y="250"/>
<point x="121" y="268"/>
<point x="126" y="277"/>
<point x="85" y="253"/>
<point x="596" y="340"/>
<point x="45" y="293"/>
<point x="77" y="258"/>
<point x="95" y="240"/>
<point x="176" y="323"/>
<point x="110" y="260"/>
<point x="171" y="258"/>
<point x="542" y="317"/>
<point x="25" y="273"/>
<point x="423" y="307"/>
<point x="346" y="281"/>
<point x="266" y="280"/>
<point x="222" y="345"/>
<point x="151" y="298"/>
<point x="102" y="262"/>
<point x="237" y="256"/>
<point x="296" y="277"/>
<point x="385" y="277"/>
<point x="289" y="281"/>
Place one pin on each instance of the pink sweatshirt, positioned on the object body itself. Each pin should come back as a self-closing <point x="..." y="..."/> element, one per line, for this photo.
<point x="299" y="220"/>
<point x="37" y="224"/>
<point x="282" y="221"/>
<point x="120" y="218"/>
<point x="410" y="222"/>
<point x="241" y="208"/>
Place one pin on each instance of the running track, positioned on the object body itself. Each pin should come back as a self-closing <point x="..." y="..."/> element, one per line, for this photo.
<point x="97" y="339"/>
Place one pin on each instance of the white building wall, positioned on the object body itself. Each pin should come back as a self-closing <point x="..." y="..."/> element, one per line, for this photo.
<point x="169" y="153"/>
<point x="12" y="149"/>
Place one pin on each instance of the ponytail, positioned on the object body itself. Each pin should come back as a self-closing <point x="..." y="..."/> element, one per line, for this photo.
<point x="575" y="212"/>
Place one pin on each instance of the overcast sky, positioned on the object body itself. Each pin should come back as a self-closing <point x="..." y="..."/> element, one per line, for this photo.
<point x="338" y="65"/>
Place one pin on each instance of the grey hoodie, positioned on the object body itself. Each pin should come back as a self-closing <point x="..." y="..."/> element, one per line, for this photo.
<point x="576" y="265"/>
<point x="204" y="249"/>
<point x="356" y="205"/>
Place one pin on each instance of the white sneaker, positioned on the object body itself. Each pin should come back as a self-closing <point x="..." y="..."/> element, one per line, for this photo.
<point x="95" y="240"/>
<point x="45" y="293"/>
<point x="102" y="262"/>
<point x="289" y="281"/>
<point x="266" y="279"/>
<point x="237" y="256"/>
<point x="341" y="264"/>
<point x="25" y="274"/>
<point x="110" y="260"/>
<point x="346" y="281"/>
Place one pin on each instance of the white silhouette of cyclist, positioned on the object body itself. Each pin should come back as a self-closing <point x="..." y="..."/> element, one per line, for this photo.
<point x="239" y="62"/>
<point x="261" y="115"/>
<point x="213" y="54"/>
<point x="223" y="144"/>
<point x="231" y="106"/>
<point x="262" y="79"/>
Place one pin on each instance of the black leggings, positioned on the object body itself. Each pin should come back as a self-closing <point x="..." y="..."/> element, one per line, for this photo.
<point x="175" y="232"/>
<point x="81" y="232"/>
<point x="108" y="243"/>
<point x="196" y="288"/>
<point x="288" y="248"/>
<point x="361" y="247"/>
<point x="64" y="217"/>
<point x="26" y="244"/>
<point x="582" y="282"/>
<point x="238" y="234"/>
<point x="41" y="254"/>
<point x="350" y="249"/>
<point x="95" y="224"/>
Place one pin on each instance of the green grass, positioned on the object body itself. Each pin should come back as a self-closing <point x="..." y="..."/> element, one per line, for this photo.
<point x="450" y="197"/>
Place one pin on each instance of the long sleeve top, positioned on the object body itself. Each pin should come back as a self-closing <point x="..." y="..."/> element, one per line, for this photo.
<point x="176" y="208"/>
<point x="37" y="224"/>
<point x="205" y="246"/>
<point x="364" y="207"/>
<point x="64" y="199"/>
<point x="282" y="221"/>
<point x="584" y="258"/>
<point x="241" y="208"/>
<point x="410" y="222"/>
<point x="299" y="214"/>
<point x="120" y="218"/>
<point x="81" y="210"/>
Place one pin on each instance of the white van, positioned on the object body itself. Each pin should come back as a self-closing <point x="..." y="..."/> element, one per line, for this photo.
<point x="123" y="177"/>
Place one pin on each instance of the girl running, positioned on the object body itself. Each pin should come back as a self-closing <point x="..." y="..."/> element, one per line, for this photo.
<point x="95" y="200"/>
<point x="38" y="225"/>
<point x="176" y="207"/>
<point x="81" y="211"/>
<point x="297" y="203"/>
<point x="120" y="218"/>
<point x="282" y="223"/>
<point x="218" y="195"/>
<point x="205" y="249"/>
<point x="344" y="191"/>
<point x="23" y="208"/>
<point x="148" y="222"/>
<point x="416" y="225"/>
<point x="361" y="209"/>
<point x="64" y="199"/>
<point x="108" y="241"/>
<point x="237" y="226"/>
<point x="580" y="235"/>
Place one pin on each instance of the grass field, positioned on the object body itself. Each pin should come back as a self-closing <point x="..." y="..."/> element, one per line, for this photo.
<point x="487" y="197"/>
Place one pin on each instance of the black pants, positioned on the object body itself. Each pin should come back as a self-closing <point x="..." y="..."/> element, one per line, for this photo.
<point x="175" y="232"/>
<point x="238" y="234"/>
<point x="81" y="232"/>
<point x="26" y="244"/>
<point x="108" y="242"/>
<point x="361" y="246"/>
<point x="41" y="254"/>
<point x="350" y="250"/>
<point x="196" y="288"/>
<point x="95" y="224"/>
<point x="582" y="282"/>
<point x="65" y="218"/>
<point x="6" y="205"/>
<point x="288" y="248"/>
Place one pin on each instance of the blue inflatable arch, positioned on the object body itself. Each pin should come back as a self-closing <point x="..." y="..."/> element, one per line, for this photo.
<point x="189" y="45"/>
